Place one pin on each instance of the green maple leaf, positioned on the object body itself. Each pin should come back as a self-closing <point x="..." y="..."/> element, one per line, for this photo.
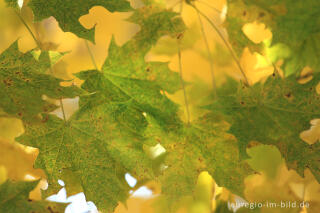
<point x="14" y="197"/>
<point x="68" y="12"/>
<point x="126" y="71"/>
<point x="274" y="113"/>
<point x="201" y="146"/>
<point x="104" y="139"/>
<point x="294" y="24"/>
<point x="23" y="84"/>
<point x="97" y="145"/>
<point x="182" y="165"/>
<point x="221" y="155"/>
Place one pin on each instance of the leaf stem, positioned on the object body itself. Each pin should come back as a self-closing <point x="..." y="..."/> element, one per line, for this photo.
<point x="91" y="55"/>
<point x="208" y="5"/>
<point x="210" y="56"/>
<point x="181" y="7"/>
<point x="175" y="4"/>
<point x="62" y="109"/>
<point x="39" y="46"/>
<point x="182" y="84"/>
<point x="28" y="28"/>
<point x="225" y="42"/>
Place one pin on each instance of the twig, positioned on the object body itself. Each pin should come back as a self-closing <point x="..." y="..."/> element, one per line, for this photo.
<point x="28" y="28"/>
<point x="62" y="109"/>
<point x="225" y="42"/>
<point x="210" y="56"/>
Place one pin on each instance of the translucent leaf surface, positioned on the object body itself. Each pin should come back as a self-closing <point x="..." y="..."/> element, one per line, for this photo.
<point x="23" y="84"/>
<point x="295" y="24"/>
<point x="275" y="113"/>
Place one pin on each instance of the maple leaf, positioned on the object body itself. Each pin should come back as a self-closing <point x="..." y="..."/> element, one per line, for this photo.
<point x="104" y="139"/>
<point x="96" y="145"/>
<point x="274" y="113"/>
<point x="127" y="78"/>
<point x="68" y="12"/>
<point x="14" y="198"/>
<point x="293" y="23"/>
<point x="182" y="165"/>
<point x="126" y="73"/>
<point x="23" y="83"/>
<point x="201" y="146"/>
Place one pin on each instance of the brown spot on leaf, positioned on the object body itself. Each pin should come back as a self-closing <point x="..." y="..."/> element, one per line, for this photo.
<point x="8" y="82"/>
<point x="50" y="209"/>
<point x="45" y="119"/>
<point x="252" y="144"/>
<point x="288" y="95"/>
<point x="180" y="36"/>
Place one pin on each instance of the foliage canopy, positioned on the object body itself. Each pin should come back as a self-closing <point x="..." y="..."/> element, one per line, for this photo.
<point x="127" y="106"/>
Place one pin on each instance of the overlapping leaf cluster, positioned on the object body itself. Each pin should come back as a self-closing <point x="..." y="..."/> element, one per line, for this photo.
<point x="275" y="112"/>
<point x="124" y="109"/>
<point x="24" y="82"/>
<point x="294" y="26"/>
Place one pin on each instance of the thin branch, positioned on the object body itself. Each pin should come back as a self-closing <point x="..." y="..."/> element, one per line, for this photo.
<point x="182" y="84"/>
<point x="210" y="56"/>
<point x="91" y="55"/>
<point x="225" y="42"/>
